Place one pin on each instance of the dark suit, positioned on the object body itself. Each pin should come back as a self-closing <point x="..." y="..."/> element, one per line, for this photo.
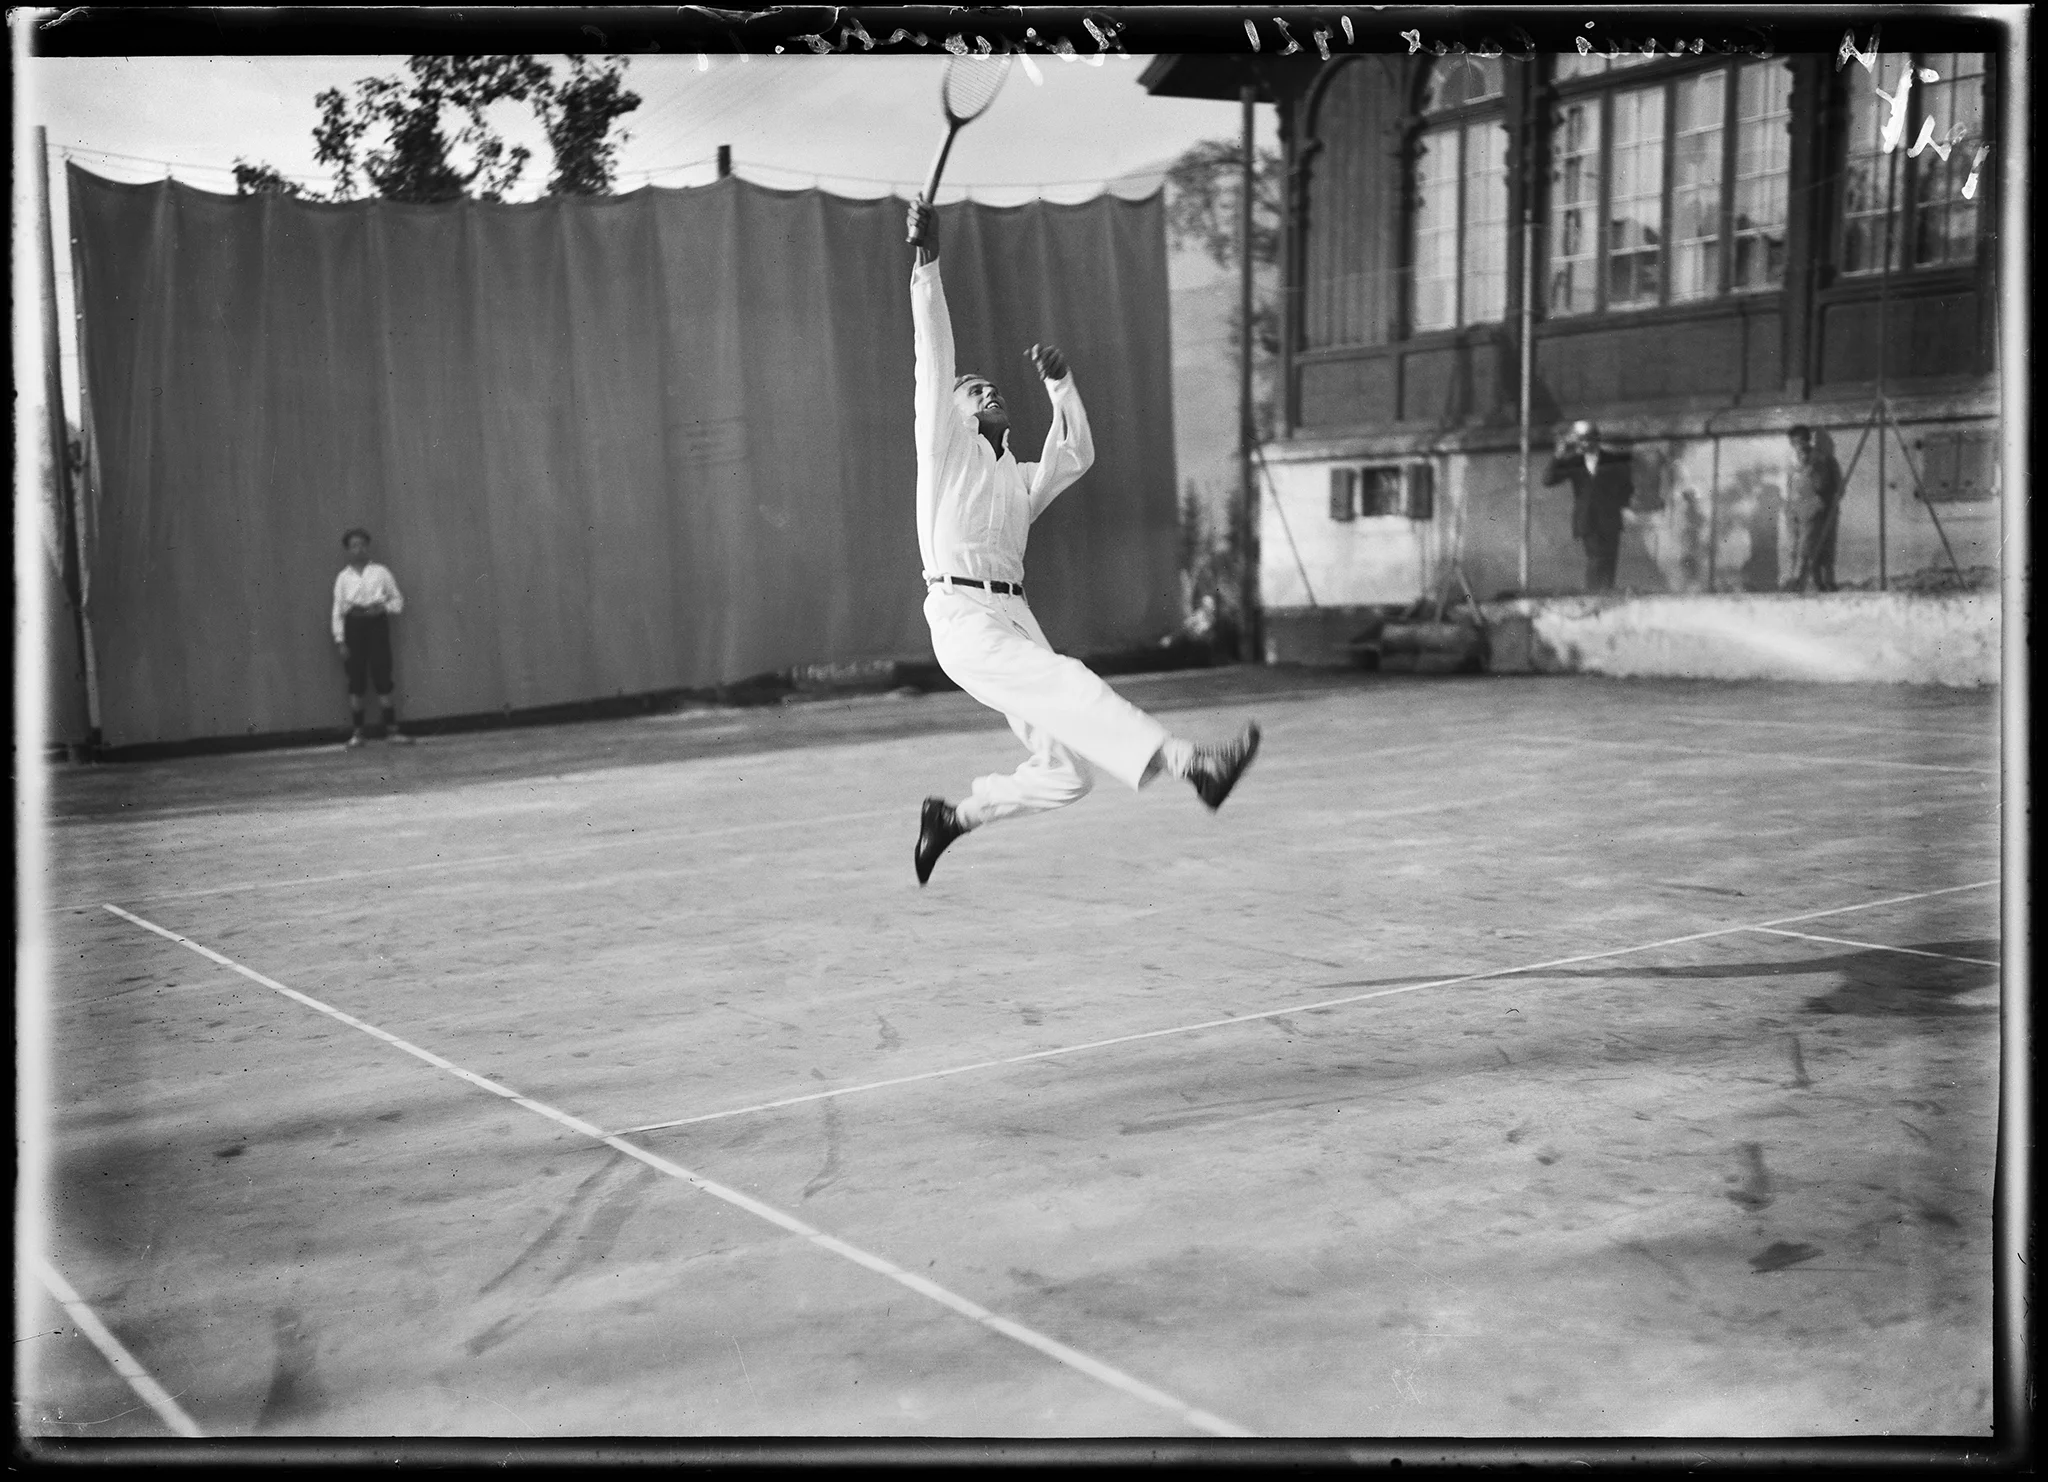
<point x="1598" y="498"/>
<point x="1815" y="488"/>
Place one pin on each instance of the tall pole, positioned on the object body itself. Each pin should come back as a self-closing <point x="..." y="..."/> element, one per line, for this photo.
<point x="1884" y="287"/>
<point x="81" y="491"/>
<point x="1526" y="150"/>
<point x="53" y="376"/>
<point x="1253" y="646"/>
<point x="71" y="530"/>
<point x="1528" y="366"/>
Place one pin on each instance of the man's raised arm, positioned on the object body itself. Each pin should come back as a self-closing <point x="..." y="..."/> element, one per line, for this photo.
<point x="931" y="322"/>
<point x="932" y="327"/>
<point x="1069" y="444"/>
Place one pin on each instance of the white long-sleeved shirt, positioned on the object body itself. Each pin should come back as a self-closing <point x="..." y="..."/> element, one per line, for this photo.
<point x="373" y="584"/>
<point x="975" y="508"/>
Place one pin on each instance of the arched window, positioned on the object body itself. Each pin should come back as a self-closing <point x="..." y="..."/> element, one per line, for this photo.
<point x="1458" y="198"/>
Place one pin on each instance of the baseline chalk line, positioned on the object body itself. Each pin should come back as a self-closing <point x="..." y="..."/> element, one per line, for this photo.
<point x="1775" y="756"/>
<point x="477" y="861"/>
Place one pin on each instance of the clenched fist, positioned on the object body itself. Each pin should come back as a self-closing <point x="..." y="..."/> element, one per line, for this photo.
<point x="1048" y="361"/>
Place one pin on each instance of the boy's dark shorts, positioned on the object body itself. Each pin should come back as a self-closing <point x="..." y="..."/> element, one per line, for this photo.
<point x="369" y="652"/>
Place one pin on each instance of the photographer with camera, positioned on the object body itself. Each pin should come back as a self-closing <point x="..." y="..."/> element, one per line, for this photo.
<point x="1603" y="481"/>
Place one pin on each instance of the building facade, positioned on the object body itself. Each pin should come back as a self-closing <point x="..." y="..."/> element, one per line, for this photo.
<point x="1697" y="250"/>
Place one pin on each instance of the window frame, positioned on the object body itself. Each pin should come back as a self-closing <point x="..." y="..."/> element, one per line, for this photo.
<point x="1455" y="124"/>
<point x="1901" y="220"/>
<point x="1414" y="479"/>
<point x="1666" y="74"/>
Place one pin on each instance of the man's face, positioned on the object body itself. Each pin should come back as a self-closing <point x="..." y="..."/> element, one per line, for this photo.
<point x="358" y="550"/>
<point x="979" y="395"/>
<point x="1802" y="448"/>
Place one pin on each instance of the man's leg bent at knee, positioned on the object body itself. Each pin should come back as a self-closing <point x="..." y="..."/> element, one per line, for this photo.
<point x="1051" y="777"/>
<point x="1071" y="719"/>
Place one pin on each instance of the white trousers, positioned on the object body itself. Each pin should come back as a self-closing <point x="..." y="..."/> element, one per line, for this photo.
<point x="1072" y="722"/>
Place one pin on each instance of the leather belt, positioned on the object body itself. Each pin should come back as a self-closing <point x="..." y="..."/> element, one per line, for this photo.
<point x="1000" y="588"/>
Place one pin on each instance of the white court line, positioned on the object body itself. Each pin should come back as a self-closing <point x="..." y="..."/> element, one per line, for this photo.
<point x="1298" y="1008"/>
<point x="152" y="1393"/>
<point x="478" y="860"/>
<point x="1877" y="946"/>
<point x="1052" y="1348"/>
<point x="1989" y="733"/>
<point x="1781" y="756"/>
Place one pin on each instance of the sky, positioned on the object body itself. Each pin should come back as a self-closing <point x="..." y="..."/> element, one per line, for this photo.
<point x="1063" y="129"/>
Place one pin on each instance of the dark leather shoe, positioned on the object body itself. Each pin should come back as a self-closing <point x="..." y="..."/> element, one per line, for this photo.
<point x="1217" y="768"/>
<point x="938" y="826"/>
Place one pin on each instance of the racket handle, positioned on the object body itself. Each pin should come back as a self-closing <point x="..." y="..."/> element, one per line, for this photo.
<point x="931" y="183"/>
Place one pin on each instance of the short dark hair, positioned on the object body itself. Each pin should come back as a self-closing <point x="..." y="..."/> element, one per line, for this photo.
<point x="351" y="533"/>
<point x="1799" y="432"/>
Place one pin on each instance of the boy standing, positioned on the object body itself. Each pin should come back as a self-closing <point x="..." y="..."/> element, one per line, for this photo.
<point x="365" y="598"/>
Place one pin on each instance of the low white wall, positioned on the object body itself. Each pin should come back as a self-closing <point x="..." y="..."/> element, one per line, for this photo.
<point x="1306" y="558"/>
<point x="1863" y="637"/>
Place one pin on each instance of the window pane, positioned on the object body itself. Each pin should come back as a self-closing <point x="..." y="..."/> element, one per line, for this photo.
<point x="1636" y="205"/>
<point x="1455" y="82"/>
<point x="1379" y="491"/>
<point x="1569" y="64"/>
<point x="1696" y="187"/>
<point x="1868" y="231"/>
<point x="1486" y="223"/>
<point x="1436" y="230"/>
<point x="1763" y="162"/>
<point x="1574" y="205"/>
<point x="1945" y="223"/>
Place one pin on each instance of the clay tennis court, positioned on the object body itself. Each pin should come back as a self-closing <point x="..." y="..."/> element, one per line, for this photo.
<point x="1510" y="1057"/>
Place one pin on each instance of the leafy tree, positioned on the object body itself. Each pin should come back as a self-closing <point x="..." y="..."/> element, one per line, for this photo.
<point x="263" y="180"/>
<point x="1203" y="189"/>
<point x="578" y="116"/>
<point x="414" y="164"/>
<point x="389" y="138"/>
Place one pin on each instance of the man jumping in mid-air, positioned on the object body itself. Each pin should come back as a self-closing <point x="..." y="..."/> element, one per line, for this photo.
<point x="975" y="505"/>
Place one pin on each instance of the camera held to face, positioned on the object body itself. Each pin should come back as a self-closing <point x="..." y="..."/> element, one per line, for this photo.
<point x="1580" y="437"/>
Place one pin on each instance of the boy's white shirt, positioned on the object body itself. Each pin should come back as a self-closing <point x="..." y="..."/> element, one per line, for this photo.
<point x="373" y="583"/>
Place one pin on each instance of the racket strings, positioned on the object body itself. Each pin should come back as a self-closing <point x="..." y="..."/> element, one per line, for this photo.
<point x="971" y="84"/>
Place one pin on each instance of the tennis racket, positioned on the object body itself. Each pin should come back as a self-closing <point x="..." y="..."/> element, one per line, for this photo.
<point x="965" y="92"/>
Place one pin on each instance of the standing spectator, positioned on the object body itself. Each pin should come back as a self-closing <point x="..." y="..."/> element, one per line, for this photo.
<point x="365" y="598"/>
<point x="1602" y="480"/>
<point x="1814" y="494"/>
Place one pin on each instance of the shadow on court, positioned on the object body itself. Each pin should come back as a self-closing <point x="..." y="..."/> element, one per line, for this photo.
<point x="1865" y="982"/>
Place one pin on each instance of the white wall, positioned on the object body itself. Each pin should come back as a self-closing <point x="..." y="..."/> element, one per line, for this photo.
<point x="1308" y="559"/>
<point x="1842" y="637"/>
